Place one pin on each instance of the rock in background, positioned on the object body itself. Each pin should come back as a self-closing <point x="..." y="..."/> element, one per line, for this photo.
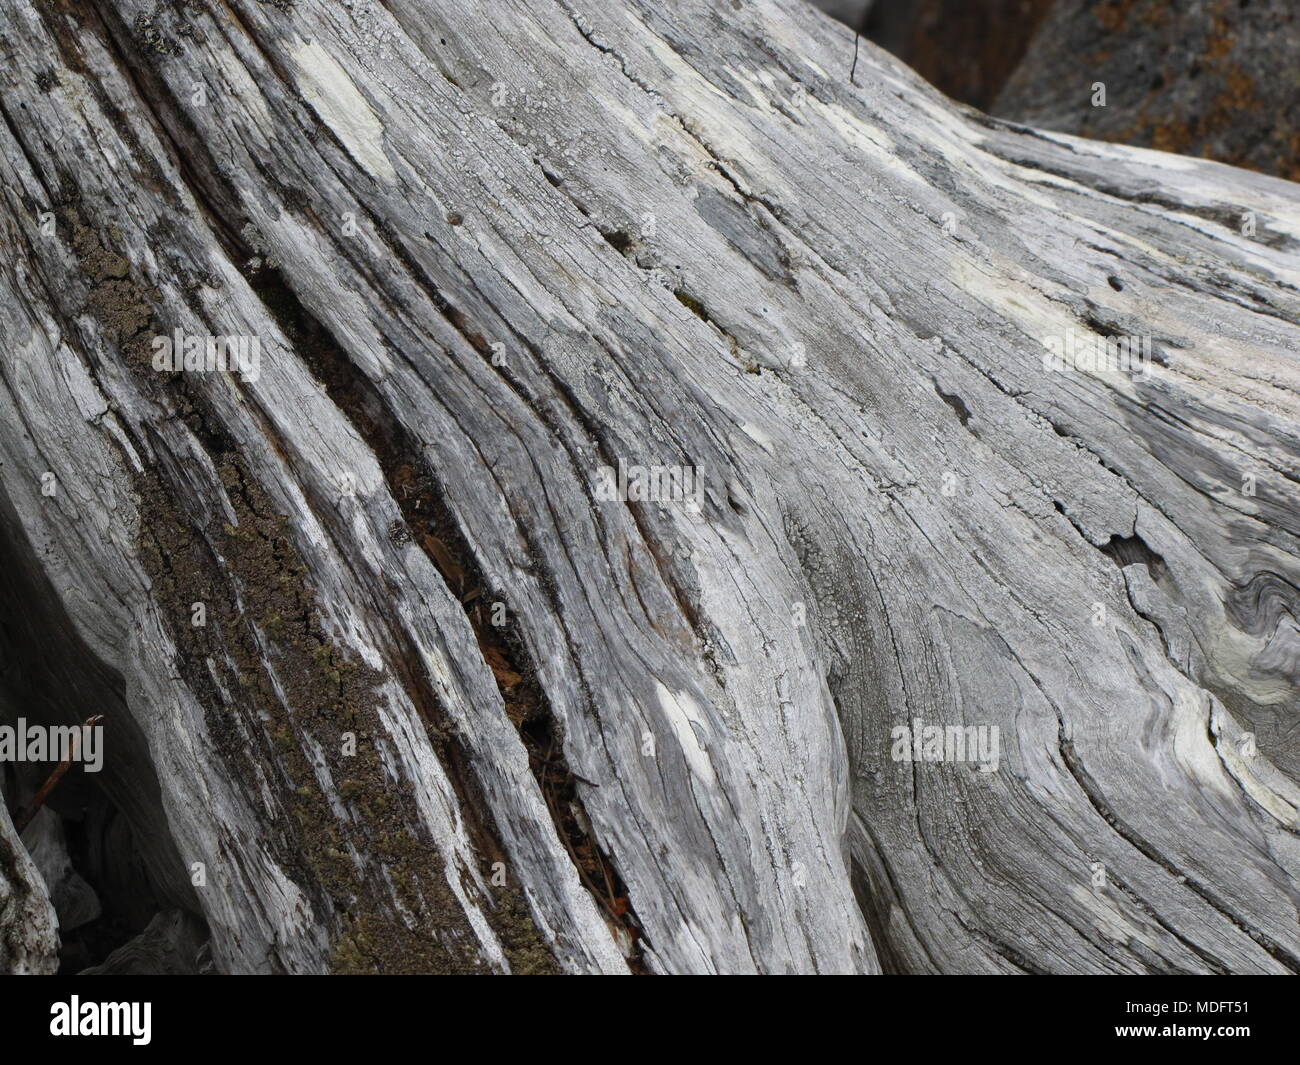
<point x="1215" y="78"/>
<point x="968" y="50"/>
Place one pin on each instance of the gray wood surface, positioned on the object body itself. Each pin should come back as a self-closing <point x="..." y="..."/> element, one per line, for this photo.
<point x="29" y="932"/>
<point x="486" y="251"/>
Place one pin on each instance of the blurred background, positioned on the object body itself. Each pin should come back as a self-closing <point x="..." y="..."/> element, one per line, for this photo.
<point x="1214" y="78"/>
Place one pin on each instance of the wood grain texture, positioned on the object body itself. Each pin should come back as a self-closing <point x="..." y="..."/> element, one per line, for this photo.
<point x="29" y="930"/>
<point x="484" y="257"/>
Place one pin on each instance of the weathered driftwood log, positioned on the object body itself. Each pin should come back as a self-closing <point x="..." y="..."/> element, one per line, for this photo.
<point x="397" y="675"/>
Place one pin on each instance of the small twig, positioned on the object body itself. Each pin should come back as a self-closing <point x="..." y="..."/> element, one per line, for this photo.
<point x="853" y="70"/>
<point x="546" y="763"/>
<point x="549" y="759"/>
<point x="38" y="800"/>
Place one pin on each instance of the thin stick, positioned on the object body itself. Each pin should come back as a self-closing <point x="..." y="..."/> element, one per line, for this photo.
<point x="853" y="70"/>
<point x="38" y="800"/>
